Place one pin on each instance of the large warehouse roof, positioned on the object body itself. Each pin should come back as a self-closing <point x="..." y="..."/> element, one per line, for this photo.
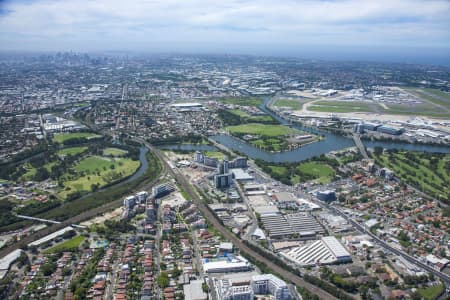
<point x="327" y="250"/>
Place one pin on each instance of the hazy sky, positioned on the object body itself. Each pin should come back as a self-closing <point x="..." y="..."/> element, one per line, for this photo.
<point x="375" y="27"/>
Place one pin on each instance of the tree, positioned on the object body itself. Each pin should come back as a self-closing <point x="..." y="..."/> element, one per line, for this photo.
<point x="41" y="174"/>
<point x="163" y="280"/>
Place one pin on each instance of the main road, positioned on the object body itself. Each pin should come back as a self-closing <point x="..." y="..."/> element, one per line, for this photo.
<point x="297" y="280"/>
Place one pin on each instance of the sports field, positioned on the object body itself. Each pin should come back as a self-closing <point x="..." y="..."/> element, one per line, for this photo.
<point x="61" y="137"/>
<point x="323" y="173"/>
<point x="69" y="245"/>
<point x="72" y="151"/>
<point x="114" y="152"/>
<point x="262" y="130"/>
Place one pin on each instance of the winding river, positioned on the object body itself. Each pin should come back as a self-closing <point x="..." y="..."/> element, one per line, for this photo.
<point x="331" y="142"/>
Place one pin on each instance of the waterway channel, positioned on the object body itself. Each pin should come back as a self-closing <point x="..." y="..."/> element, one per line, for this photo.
<point x="330" y="142"/>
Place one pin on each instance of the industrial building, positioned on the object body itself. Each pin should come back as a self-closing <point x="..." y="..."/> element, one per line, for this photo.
<point x="188" y="106"/>
<point x="285" y="200"/>
<point x="390" y="130"/>
<point x="6" y="261"/>
<point x="241" y="175"/>
<point x="227" y="265"/>
<point x="327" y="250"/>
<point x="304" y="224"/>
<point x="277" y="226"/>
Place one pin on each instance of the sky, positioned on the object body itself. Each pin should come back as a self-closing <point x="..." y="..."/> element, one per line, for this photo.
<point x="391" y="30"/>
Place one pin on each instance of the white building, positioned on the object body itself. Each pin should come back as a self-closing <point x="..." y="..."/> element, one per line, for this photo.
<point x="142" y="196"/>
<point x="270" y="284"/>
<point x="228" y="290"/>
<point x="227" y="265"/>
<point x="129" y="202"/>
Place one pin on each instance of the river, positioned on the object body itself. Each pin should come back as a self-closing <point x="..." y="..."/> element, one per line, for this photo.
<point x="142" y="168"/>
<point x="331" y="142"/>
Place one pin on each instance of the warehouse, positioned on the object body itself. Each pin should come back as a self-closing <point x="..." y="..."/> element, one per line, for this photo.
<point x="277" y="226"/>
<point x="304" y="224"/>
<point x="325" y="251"/>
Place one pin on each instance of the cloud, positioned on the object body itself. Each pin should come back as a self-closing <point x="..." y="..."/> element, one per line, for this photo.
<point x="176" y="25"/>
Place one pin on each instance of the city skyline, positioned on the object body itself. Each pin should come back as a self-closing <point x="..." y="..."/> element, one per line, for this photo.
<point x="401" y="31"/>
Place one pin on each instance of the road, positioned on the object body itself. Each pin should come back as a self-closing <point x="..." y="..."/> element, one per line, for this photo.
<point x="385" y="245"/>
<point x="297" y="280"/>
<point x="360" y="145"/>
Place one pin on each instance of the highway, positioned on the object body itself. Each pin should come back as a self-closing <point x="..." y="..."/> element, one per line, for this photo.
<point x="385" y="245"/>
<point x="297" y="280"/>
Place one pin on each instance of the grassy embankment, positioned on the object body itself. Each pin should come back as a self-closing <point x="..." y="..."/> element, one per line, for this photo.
<point x="432" y="292"/>
<point x="68" y="245"/>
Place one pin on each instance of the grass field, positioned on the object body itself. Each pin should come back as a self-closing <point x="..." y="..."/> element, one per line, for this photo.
<point x="97" y="170"/>
<point x="323" y="173"/>
<point x="426" y="171"/>
<point x="114" y="152"/>
<point x="421" y="109"/>
<point x="395" y="109"/>
<point x="244" y="101"/>
<point x="72" y="151"/>
<point x="215" y="154"/>
<point x="279" y="170"/>
<point x="246" y="118"/>
<point x="262" y="130"/>
<point x="432" y="292"/>
<point x="270" y="144"/>
<point x="69" y="245"/>
<point x="61" y="137"/>
<point x="293" y="104"/>
<point x="432" y="95"/>
<point x="343" y="106"/>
